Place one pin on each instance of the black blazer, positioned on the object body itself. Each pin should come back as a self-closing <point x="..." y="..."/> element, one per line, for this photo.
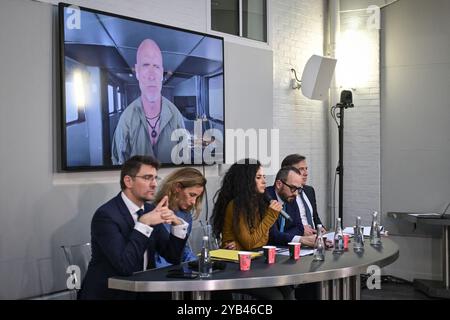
<point x="311" y="194"/>
<point x="118" y="249"/>
<point x="294" y="228"/>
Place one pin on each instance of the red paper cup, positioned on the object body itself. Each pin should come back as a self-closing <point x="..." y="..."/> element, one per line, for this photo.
<point x="245" y="260"/>
<point x="269" y="254"/>
<point x="346" y="238"/>
<point x="294" y="250"/>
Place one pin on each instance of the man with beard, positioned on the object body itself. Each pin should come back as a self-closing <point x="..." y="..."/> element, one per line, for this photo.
<point x="287" y="184"/>
<point x="306" y="199"/>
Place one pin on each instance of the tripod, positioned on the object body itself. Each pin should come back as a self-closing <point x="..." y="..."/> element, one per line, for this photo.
<point x="346" y="101"/>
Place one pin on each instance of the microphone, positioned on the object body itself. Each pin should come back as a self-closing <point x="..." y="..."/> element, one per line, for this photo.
<point x="282" y="212"/>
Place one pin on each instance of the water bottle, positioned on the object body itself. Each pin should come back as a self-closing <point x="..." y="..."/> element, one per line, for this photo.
<point x="204" y="262"/>
<point x="338" y="237"/>
<point x="319" y="245"/>
<point x="207" y="231"/>
<point x="375" y="238"/>
<point x="358" y="233"/>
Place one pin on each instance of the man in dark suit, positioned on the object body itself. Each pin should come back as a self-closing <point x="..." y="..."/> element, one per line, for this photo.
<point x="285" y="190"/>
<point x="306" y="199"/>
<point x="126" y="232"/>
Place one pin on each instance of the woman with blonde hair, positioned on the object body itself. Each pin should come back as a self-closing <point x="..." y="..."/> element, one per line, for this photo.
<point x="185" y="188"/>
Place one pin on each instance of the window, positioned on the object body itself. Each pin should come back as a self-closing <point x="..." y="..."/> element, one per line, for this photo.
<point x="111" y="104"/>
<point x="215" y="98"/>
<point x="244" y="18"/>
<point x="119" y="100"/>
<point x="115" y="103"/>
<point x="75" y="97"/>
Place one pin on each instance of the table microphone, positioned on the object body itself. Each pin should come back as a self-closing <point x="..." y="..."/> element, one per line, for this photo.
<point x="282" y="212"/>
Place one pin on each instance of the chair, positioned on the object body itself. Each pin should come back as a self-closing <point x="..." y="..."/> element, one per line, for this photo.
<point x="77" y="259"/>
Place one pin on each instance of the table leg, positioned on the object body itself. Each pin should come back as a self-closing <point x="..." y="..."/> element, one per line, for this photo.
<point x="201" y="295"/>
<point x="446" y="257"/>
<point x="346" y="289"/>
<point x="356" y="283"/>
<point x="438" y="289"/>
<point x="178" y="295"/>
<point x="336" y="289"/>
<point x="325" y="290"/>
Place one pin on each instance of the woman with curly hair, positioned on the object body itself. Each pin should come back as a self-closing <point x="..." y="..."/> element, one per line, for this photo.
<point x="242" y="217"/>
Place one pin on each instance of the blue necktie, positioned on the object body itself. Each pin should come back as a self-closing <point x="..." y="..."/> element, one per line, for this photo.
<point x="308" y="212"/>
<point x="282" y="220"/>
<point x="139" y="213"/>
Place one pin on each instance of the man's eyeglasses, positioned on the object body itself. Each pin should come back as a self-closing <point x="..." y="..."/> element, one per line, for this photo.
<point x="292" y="188"/>
<point x="149" y="178"/>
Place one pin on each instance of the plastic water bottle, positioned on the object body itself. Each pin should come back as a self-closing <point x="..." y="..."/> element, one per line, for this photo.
<point x="358" y="233"/>
<point x="338" y="237"/>
<point x="319" y="245"/>
<point x="204" y="262"/>
<point x="375" y="237"/>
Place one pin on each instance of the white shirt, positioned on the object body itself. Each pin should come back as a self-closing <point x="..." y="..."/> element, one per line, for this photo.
<point x="178" y="231"/>
<point x="302" y="210"/>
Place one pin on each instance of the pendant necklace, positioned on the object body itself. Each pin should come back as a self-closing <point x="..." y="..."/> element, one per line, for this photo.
<point x="153" y="134"/>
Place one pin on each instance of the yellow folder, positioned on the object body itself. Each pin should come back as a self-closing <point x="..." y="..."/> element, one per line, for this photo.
<point x="229" y="255"/>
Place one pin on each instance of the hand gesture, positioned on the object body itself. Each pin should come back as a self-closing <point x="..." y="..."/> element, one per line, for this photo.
<point x="161" y="214"/>
<point x="275" y="205"/>
<point x="308" y="240"/>
<point x="309" y="231"/>
<point x="231" y="245"/>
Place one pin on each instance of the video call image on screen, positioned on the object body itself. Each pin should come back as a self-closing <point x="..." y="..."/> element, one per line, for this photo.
<point x="135" y="87"/>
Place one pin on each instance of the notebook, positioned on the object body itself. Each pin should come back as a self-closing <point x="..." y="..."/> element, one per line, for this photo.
<point x="229" y="255"/>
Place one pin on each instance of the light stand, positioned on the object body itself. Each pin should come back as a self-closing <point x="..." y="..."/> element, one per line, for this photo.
<point x="345" y="102"/>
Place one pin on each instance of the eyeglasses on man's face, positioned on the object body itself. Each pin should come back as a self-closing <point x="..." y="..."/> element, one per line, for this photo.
<point x="148" y="178"/>
<point x="292" y="188"/>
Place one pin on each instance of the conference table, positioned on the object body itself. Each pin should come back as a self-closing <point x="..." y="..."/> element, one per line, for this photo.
<point x="338" y="274"/>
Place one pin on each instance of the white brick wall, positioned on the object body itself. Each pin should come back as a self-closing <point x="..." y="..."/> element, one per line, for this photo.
<point x="188" y="14"/>
<point x="362" y="126"/>
<point x="297" y="33"/>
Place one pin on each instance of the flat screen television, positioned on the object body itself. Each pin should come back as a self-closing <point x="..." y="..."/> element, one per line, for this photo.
<point x="136" y="87"/>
